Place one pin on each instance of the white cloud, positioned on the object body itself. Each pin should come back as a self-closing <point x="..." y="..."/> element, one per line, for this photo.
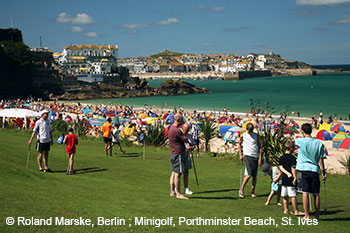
<point x="321" y="2"/>
<point x="218" y="8"/>
<point x="168" y="21"/>
<point x="258" y="45"/>
<point x="77" y="29"/>
<point x="80" y="18"/>
<point x="203" y="7"/>
<point x="91" y="34"/>
<point x="135" y="26"/>
<point x="208" y="44"/>
<point x="321" y="28"/>
<point x="132" y="28"/>
<point x="343" y="20"/>
<point x="63" y="18"/>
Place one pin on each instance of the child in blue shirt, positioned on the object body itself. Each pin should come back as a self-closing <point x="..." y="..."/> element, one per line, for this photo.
<point x="276" y="184"/>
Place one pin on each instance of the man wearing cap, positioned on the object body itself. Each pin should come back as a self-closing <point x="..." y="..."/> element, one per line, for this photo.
<point x="44" y="135"/>
<point x="177" y="142"/>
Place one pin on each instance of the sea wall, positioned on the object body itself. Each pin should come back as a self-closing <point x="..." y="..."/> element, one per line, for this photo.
<point x="295" y="72"/>
<point x="253" y="74"/>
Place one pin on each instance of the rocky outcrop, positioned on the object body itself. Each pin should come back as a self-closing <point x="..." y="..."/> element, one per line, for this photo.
<point x="142" y="89"/>
<point x="177" y="87"/>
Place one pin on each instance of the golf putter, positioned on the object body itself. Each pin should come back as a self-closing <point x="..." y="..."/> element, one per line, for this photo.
<point x="325" y="196"/>
<point x="241" y="175"/>
<point x="194" y="168"/>
<point x="28" y="156"/>
<point x="64" y="152"/>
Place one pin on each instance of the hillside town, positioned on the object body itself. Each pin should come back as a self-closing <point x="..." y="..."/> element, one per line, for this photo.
<point x="91" y="63"/>
<point x="223" y="63"/>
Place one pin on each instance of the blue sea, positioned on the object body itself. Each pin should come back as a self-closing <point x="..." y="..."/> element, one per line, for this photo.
<point x="329" y="93"/>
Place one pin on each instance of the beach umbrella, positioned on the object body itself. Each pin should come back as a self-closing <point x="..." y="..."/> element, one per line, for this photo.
<point x="170" y="119"/>
<point x="338" y="127"/>
<point x="338" y="138"/>
<point x="236" y="128"/>
<point x="97" y="121"/>
<point x="234" y="138"/>
<point x="165" y="116"/>
<point x="67" y="118"/>
<point x="222" y="119"/>
<point x="198" y="124"/>
<point x="325" y="126"/>
<point x="87" y="110"/>
<point x="345" y="144"/>
<point x="323" y="135"/>
<point x="143" y="115"/>
<point x="246" y="123"/>
<point x="166" y="131"/>
<point x="224" y="128"/>
<point x="124" y="120"/>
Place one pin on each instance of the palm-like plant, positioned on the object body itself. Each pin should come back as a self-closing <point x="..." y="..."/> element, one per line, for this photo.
<point x="155" y="136"/>
<point x="273" y="145"/>
<point x="345" y="162"/>
<point x="208" y="128"/>
<point x="82" y="127"/>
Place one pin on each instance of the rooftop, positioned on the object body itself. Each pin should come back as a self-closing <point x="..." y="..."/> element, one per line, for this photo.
<point x="81" y="46"/>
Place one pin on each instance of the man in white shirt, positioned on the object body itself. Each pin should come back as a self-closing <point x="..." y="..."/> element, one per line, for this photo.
<point x="252" y="150"/>
<point x="43" y="129"/>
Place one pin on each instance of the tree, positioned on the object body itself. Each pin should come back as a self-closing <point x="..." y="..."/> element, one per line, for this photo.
<point x="16" y="65"/>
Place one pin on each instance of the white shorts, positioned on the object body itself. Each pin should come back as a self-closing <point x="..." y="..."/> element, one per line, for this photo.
<point x="288" y="191"/>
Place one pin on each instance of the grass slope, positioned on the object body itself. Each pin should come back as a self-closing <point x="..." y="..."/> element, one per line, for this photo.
<point x="127" y="187"/>
<point x="166" y="54"/>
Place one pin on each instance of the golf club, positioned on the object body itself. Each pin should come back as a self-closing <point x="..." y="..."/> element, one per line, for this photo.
<point x="194" y="168"/>
<point x="28" y="156"/>
<point x="325" y="195"/>
<point x="144" y="150"/>
<point x="241" y="175"/>
<point x="64" y="152"/>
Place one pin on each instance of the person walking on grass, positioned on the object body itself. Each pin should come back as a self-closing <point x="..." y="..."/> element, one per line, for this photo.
<point x="188" y="164"/>
<point x="43" y="131"/>
<point x="107" y="136"/>
<point x="250" y="151"/>
<point x="177" y="142"/>
<point x="115" y="137"/>
<point x="194" y="132"/>
<point x="71" y="140"/>
<point x="276" y="184"/>
<point x="311" y="153"/>
<point x="287" y="165"/>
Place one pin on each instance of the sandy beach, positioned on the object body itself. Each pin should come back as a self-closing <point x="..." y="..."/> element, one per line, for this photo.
<point x="217" y="145"/>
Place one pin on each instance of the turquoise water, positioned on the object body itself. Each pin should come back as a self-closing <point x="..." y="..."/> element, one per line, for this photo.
<point x="305" y="94"/>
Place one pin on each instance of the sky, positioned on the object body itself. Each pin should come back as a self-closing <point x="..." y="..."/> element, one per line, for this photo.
<point x="313" y="31"/>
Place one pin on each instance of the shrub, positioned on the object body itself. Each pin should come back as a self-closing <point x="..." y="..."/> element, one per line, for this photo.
<point x="345" y="162"/>
<point x="273" y="145"/>
<point x="155" y="136"/>
<point x="208" y="128"/>
<point x="82" y="127"/>
<point x="59" y="126"/>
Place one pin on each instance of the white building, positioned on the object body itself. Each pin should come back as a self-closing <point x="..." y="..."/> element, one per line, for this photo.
<point x="227" y="69"/>
<point x="242" y="65"/>
<point x="89" y="60"/>
<point x="260" y="64"/>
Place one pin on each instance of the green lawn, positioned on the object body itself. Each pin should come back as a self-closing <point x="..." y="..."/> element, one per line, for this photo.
<point x="128" y="187"/>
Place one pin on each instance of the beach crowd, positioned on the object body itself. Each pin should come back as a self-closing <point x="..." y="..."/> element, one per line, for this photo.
<point x="289" y="176"/>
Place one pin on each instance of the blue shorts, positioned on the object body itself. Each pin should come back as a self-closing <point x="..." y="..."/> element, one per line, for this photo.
<point x="275" y="187"/>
